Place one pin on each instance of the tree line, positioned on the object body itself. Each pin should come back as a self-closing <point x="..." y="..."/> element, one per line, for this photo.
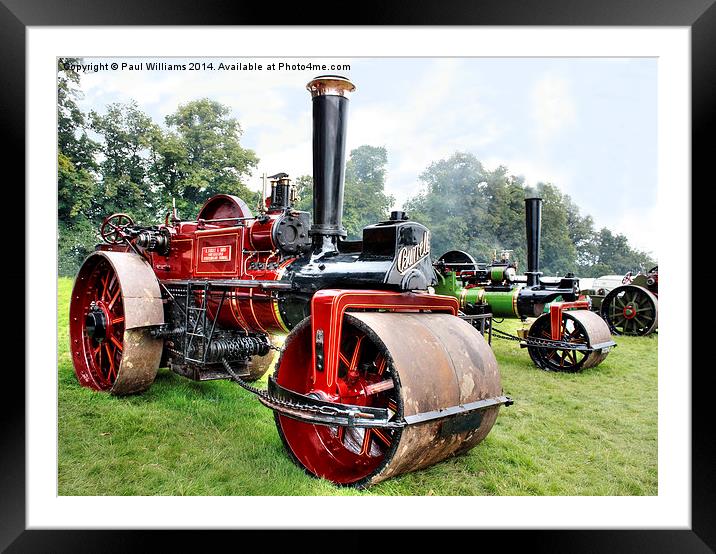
<point x="123" y="161"/>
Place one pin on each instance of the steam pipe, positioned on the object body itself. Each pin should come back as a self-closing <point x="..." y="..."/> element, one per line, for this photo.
<point x="330" y="106"/>
<point x="533" y="224"/>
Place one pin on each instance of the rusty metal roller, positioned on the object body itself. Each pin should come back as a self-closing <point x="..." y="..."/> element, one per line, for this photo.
<point x="579" y="327"/>
<point x="435" y="361"/>
<point x="116" y="298"/>
<point x="597" y="333"/>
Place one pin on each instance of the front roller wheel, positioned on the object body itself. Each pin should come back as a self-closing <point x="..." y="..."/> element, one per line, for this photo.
<point x="409" y="363"/>
<point x="115" y="299"/>
<point x="578" y="327"/>
<point x="630" y="310"/>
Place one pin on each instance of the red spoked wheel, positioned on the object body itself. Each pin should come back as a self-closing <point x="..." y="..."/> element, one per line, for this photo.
<point x="344" y="455"/>
<point x="113" y="228"/>
<point x="412" y="364"/>
<point x="104" y="327"/>
<point x="115" y="300"/>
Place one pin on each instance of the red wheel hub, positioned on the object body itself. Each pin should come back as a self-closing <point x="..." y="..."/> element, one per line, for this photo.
<point x="630" y="311"/>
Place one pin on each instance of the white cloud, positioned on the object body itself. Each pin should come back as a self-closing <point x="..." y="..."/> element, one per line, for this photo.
<point x="534" y="171"/>
<point x="420" y="124"/>
<point x="436" y="117"/>
<point x="553" y="107"/>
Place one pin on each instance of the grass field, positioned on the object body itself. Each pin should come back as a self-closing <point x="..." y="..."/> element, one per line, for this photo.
<point x="592" y="433"/>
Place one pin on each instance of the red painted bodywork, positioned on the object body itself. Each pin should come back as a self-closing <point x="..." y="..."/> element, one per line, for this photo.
<point x="555" y="315"/>
<point x="239" y="249"/>
<point x="329" y="305"/>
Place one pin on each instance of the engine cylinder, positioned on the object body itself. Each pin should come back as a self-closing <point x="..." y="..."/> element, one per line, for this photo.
<point x="261" y="234"/>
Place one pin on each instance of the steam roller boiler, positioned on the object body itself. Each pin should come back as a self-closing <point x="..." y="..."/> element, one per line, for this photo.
<point x="377" y="376"/>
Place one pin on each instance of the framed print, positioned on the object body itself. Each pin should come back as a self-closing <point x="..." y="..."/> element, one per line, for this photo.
<point x="615" y="106"/>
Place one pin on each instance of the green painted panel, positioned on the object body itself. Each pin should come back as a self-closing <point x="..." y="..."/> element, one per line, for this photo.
<point x="502" y="303"/>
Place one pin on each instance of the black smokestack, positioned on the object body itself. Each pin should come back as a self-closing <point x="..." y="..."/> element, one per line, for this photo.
<point x="533" y="223"/>
<point x="330" y="107"/>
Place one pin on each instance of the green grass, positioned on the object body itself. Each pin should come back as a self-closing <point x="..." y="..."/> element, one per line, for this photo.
<point x="591" y="433"/>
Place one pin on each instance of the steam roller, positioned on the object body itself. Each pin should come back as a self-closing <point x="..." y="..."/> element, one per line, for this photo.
<point x="375" y="376"/>
<point x="575" y="328"/>
<point x="633" y="307"/>
<point x="564" y="335"/>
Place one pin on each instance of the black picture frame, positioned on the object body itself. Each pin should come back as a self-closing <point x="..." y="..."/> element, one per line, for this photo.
<point x="698" y="15"/>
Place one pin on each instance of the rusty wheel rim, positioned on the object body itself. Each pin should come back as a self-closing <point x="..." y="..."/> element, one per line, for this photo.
<point x="97" y="331"/>
<point x="345" y="456"/>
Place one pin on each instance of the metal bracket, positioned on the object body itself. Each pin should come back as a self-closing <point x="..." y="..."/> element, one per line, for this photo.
<point x="458" y="410"/>
<point x="322" y="412"/>
<point x="481" y="322"/>
<point x="533" y="342"/>
<point x="319" y="350"/>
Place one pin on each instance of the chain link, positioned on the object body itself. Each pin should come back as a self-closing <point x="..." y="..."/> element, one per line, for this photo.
<point x="503" y="335"/>
<point x="241" y="382"/>
<point x="535" y="342"/>
<point x="287" y="404"/>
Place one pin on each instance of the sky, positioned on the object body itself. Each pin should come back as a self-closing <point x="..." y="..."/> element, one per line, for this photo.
<point x="586" y="125"/>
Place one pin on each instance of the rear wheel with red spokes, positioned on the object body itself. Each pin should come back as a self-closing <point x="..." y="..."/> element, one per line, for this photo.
<point x="365" y="379"/>
<point x="104" y="326"/>
<point x="112" y="349"/>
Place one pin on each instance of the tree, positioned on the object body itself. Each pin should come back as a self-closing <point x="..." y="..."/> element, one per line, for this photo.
<point x="583" y="236"/>
<point x="72" y="139"/>
<point x="452" y="205"/>
<point x="76" y="172"/>
<point x="365" y="201"/>
<point x="503" y="221"/>
<point x="128" y="135"/>
<point x="470" y="208"/>
<point x="201" y="155"/>
<point x="615" y="256"/>
<point x="304" y="191"/>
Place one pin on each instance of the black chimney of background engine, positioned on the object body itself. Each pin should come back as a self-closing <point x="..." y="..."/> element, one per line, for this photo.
<point x="533" y="223"/>
<point x="330" y="107"/>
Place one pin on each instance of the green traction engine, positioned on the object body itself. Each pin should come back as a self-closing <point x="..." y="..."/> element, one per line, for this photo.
<point x="565" y="336"/>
